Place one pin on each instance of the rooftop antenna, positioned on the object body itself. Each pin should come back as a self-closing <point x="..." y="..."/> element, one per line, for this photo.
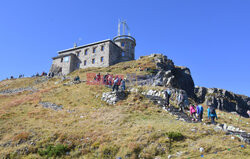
<point x="124" y="27"/>
<point x="77" y="43"/>
<point x="119" y="27"/>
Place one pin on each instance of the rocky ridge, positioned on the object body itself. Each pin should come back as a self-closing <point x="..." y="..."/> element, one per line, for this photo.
<point x="168" y="75"/>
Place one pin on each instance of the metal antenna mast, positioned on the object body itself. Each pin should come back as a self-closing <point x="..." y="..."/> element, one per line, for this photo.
<point x="119" y="27"/>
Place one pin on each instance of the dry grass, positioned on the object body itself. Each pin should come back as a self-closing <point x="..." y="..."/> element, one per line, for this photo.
<point x="92" y="128"/>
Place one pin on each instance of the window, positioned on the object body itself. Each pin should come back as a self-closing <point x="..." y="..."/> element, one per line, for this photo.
<point x="93" y="61"/>
<point x="85" y="62"/>
<point x="86" y="52"/>
<point x="66" y="59"/>
<point x="94" y="50"/>
<point x="101" y="59"/>
<point x="123" y="54"/>
<point x="122" y="44"/>
<point x="102" y="48"/>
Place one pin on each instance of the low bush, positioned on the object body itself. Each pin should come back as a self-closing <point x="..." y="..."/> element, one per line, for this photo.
<point x="54" y="151"/>
<point x="175" y="136"/>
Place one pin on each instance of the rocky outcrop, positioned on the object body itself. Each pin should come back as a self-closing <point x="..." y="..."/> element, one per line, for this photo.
<point x="223" y="100"/>
<point x="159" y="96"/>
<point x="113" y="97"/>
<point x="231" y="130"/>
<point x="172" y="76"/>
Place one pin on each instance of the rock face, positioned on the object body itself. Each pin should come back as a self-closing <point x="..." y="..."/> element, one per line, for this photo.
<point x="223" y="100"/>
<point x="172" y="76"/>
<point x="113" y="97"/>
<point x="160" y="97"/>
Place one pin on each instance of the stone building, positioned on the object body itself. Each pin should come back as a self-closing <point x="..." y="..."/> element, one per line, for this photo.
<point x="98" y="54"/>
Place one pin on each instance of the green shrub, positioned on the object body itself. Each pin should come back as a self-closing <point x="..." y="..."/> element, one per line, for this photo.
<point x="175" y="136"/>
<point x="54" y="151"/>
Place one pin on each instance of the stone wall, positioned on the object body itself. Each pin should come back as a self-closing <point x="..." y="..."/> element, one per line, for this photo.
<point x="97" y="55"/>
<point x="115" y="54"/>
<point x="128" y="49"/>
<point x="84" y="56"/>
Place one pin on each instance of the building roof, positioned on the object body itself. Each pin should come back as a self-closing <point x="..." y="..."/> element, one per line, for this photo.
<point x="60" y="56"/>
<point x="79" y="47"/>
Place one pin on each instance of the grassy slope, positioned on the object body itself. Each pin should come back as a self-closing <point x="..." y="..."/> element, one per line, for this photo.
<point x="133" y="126"/>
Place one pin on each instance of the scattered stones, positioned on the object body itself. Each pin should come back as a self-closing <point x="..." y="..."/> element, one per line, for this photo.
<point x="42" y="79"/>
<point x="71" y="83"/>
<point x="18" y="90"/>
<point x="113" y="97"/>
<point x="231" y="130"/>
<point x="170" y="156"/>
<point x="51" y="106"/>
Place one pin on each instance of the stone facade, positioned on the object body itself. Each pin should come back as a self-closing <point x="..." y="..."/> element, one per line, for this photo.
<point x="99" y="54"/>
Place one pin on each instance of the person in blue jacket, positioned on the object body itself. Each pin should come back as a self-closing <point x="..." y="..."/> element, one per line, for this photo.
<point x="211" y="113"/>
<point x="199" y="111"/>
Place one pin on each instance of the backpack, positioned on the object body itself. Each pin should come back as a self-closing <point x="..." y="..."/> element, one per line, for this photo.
<point x="212" y="110"/>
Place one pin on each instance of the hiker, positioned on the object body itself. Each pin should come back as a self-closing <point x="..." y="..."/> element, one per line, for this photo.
<point x="105" y="79"/>
<point x="123" y="84"/>
<point x="110" y="80"/>
<point x="211" y="113"/>
<point x="180" y="101"/>
<point x="192" y="112"/>
<point x="116" y="86"/>
<point x="167" y="96"/>
<point x="199" y="111"/>
<point x="77" y="79"/>
<point x="98" y="77"/>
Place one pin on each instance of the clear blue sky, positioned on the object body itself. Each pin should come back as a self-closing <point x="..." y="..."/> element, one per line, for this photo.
<point x="211" y="37"/>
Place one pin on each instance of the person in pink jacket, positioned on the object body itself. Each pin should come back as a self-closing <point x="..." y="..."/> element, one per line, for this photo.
<point x="192" y="111"/>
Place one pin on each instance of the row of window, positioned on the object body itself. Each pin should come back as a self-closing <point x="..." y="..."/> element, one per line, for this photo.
<point x="93" y="50"/>
<point x="93" y="61"/>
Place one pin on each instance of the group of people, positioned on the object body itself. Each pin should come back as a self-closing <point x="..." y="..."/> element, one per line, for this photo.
<point x="197" y="113"/>
<point x="111" y="82"/>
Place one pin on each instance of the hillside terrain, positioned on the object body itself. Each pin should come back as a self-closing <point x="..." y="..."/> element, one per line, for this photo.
<point x="43" y="117"/>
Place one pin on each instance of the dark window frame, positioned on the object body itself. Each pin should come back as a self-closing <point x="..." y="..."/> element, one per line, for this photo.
<point x="86" y="52"/>
<point x="94" y="50"/>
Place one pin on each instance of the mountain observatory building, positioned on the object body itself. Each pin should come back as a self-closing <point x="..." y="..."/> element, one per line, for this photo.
<point x="98" y="54"/>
